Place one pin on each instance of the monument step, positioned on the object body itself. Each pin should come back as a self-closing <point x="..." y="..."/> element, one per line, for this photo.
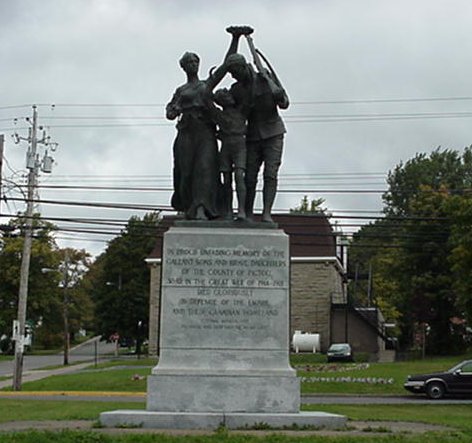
<point x="213" y="420"/>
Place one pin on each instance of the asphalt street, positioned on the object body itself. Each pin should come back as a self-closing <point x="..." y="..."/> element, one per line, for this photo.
<point x="306" y="399"/>
<point x="87" y="351"/>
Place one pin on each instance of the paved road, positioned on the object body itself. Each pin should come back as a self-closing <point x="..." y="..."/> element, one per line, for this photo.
<point x="380" y="400"/>
<point x="83" y="352"/>
<point x="306" y="399"/>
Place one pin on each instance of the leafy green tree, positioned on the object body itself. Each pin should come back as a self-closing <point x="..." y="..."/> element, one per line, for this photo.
<point x="119" y="280"/>
<point x="442" y="168"/>
<point x="460" y="259"/>
<point x="45" y="304"/>
<point x="374" y="249"/>
<point x="74" y="307"/>
<point x="309" y="206"/>
<point x="423" y="271"/>
<point x="42" y="289"/>
<point x="421" y="251"/>
<point x="426" y="246"/>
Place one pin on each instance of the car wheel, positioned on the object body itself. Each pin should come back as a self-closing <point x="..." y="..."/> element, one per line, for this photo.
<point x="435" y="390"/>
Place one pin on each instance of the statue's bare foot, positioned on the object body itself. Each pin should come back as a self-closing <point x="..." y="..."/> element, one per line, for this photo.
<point x="266" y="218"/>
<point x="241" y="216"/>
<point x="200" y="215"/>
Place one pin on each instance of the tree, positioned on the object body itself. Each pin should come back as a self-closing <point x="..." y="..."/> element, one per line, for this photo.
<point x="119" y="280"/>
<point x="373" y="250"/>
<point x="460" y="257"/>
<point x="442" y="168"/>
<point x="428" y="213"/>
<point x="75" y="304"/>
<point x="309" y="207"/>
<point x="44" y="308"/>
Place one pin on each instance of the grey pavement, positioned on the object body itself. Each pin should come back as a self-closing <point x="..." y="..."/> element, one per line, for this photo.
<point x="381" y="400"/>
<point x="305" y="399"/>
<point x="85" y="354"/>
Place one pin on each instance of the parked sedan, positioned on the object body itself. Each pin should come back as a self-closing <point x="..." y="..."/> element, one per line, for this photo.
<point x="457" y="380"/>
<point x="339" y="352"/>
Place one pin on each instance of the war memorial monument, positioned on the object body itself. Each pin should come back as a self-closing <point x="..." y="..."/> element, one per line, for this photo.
<point x="224" y="320"/>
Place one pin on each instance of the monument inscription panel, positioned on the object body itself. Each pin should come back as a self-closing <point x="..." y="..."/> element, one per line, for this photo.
<point x="227" y="296"/>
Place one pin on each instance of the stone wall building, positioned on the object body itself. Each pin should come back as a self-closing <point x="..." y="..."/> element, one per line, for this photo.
<point x="316" y="275"/>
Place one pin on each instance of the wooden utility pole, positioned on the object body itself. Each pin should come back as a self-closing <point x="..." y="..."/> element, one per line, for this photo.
<point x="65" y="307"/>
<point x="33" y="164"/>
<point x="26" y="255"/>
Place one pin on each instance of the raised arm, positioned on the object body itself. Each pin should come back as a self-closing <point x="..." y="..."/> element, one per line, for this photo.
<point x="236" y="33"/>
<point x="216" y="75"/>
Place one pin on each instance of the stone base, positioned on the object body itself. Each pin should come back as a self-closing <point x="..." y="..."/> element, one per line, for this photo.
<point x="219" y="393"/>
<point x="212" y="420"/>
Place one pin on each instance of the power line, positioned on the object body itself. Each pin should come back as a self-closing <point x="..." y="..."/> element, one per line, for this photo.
<point x="98" y="204"/>
<point x="295" y="102"/>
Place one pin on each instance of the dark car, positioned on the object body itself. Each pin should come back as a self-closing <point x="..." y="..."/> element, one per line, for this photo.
<point x="339" y="352"/>
<point x="457" y="380"/>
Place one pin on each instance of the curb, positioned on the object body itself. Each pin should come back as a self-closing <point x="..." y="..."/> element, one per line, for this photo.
<point x="72" y="393"/>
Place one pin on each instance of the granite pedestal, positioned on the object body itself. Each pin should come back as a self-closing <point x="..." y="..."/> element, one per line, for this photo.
<point x="224" y="335"/>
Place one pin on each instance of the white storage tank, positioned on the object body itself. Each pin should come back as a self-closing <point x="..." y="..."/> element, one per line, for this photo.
<point x="305" y="342"/>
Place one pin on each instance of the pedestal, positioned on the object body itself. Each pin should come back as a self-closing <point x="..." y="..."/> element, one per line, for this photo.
<point x="224" y="334"/>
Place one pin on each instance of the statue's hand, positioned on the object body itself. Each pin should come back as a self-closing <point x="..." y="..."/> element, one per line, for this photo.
<point x="240" y="30"/>
<point x="173" y="112"/>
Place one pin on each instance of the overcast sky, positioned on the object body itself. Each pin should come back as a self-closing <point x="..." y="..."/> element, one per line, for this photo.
<point x="361" y="60"/>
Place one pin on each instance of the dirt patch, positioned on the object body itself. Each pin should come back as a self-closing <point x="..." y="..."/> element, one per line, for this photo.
<point x="353" y="428"/>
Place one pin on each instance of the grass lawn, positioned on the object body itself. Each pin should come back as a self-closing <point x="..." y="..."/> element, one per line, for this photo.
<point x="120" y="380"/>
<point x="105" y="378"/>
<point x="219" y="437"/>
<point x="126" y="362"/>
<point x="398" y="371"/>
<point x="456" y="416"/>
<point x="17" y="409"/>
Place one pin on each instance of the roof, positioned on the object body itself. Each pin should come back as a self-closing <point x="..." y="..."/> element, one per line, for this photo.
<point x="310" y="235"/>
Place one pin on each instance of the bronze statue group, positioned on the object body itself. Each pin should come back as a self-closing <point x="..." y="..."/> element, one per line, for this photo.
<point x="244" y="118"/>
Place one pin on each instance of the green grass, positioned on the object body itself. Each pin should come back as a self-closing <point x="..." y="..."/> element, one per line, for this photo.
<point x="93" y="437"/>
<point x="18" y="409"/>
<point x="108" y="380"/>
<point x="126" y="362"/>
<point x="455" y="416"/>
<point x="398" y="371"/>
<point x="307" y="358"/>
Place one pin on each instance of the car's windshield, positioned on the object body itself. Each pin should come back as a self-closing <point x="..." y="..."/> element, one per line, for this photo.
<point x="460" y="366"/>
<point x="338" y="347"/>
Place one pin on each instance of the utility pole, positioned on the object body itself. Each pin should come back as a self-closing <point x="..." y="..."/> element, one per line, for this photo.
<point x="369" y="287"/>
<point x="65" y="307"/>
<point x="33" y="164"/>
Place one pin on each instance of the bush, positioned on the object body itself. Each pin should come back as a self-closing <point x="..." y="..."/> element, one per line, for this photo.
<point x="6" y="346"/>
